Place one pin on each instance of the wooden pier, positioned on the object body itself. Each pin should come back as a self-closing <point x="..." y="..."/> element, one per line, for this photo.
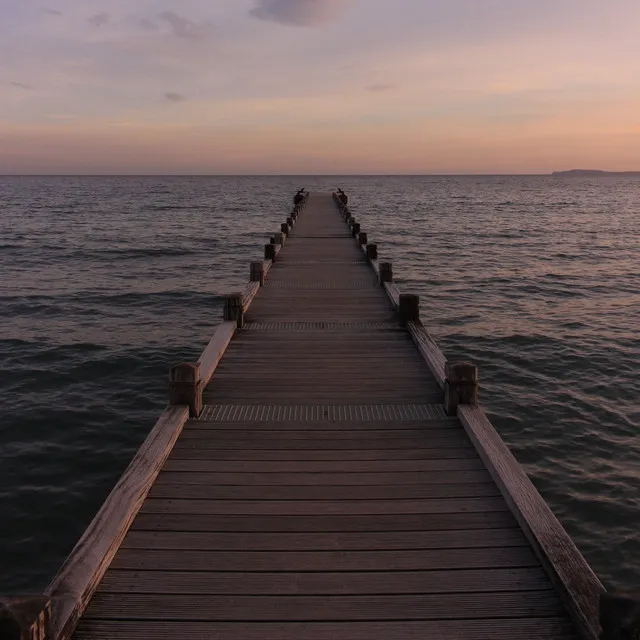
<point x="322" y="472"/>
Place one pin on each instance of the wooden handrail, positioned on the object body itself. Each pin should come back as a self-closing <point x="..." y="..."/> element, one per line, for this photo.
<point x="72" y="587"/>
<point x="214" y="351"/>
<point x="574" y="579"/>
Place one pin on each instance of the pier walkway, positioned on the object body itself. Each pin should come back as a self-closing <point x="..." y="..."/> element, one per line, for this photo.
<point x="336" y="480"/>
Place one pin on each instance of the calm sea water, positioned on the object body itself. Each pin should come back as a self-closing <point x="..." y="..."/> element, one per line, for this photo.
<point x="107" y="282"/>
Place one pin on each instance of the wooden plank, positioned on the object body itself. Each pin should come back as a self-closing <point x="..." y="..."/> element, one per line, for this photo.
<point x="183" y="477"/>
<point x="502" y="604"/>
<point x="344" y="541"/>
<point x="324" y="507"/>
<point x="285" y="454"/>
<point x="203" y="491"/>
<point x="249" y="293"/>
<point x="231" y="583"/>
<point x="392" y="293"/>
<point x="548" y="628"/>
<point x="352" y="466"/>
<point x="412" y="560"/>
<point x="576" y="582"/>
<point x="214" y="351"/>
<point x="76" y="581"/>
<point x="396" y="522"/>
<point x="429" y="350"/>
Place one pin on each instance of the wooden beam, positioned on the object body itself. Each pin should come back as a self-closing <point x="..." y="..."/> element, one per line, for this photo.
<point x="214" y="351"/>
<point x="185" y="387"/>
<point x="573" y="578"/>
<point x="72" y="587"/>
<point x="429" y="350"/>
<point x="393" y="293"/>
<point x="248" y="294"/>
<point x="460" y="385"/>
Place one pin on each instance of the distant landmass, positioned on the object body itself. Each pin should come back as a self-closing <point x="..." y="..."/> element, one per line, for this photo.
<point x="594" y="172"/>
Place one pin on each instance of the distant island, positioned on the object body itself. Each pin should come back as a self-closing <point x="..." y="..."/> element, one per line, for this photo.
<point x="594" y="172"/>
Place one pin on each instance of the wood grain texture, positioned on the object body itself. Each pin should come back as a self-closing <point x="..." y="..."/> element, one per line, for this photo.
<point x="73" y="586"/>
<point x="529" y="628"/>
<point x="429" y="350"/>
<point x="214" y="351"/>
<point x="572" y="576"/>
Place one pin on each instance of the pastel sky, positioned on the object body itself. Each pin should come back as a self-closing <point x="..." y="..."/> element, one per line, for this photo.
<point x="319" y="86"/>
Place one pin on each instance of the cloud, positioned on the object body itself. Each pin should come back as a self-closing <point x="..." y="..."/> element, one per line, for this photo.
<point x="52" y="12"/>
<point x="174" y="97"/>
<point x="184" y="28"/>
<point x="21" y="85"/>
<point x="303" y="13"/>
<point x="99" y="19"/>
<point x="380" y="87"/>
<point x="147" y="25"/>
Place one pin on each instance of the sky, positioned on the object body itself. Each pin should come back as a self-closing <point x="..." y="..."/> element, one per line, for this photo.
<point x="318" y="86"/>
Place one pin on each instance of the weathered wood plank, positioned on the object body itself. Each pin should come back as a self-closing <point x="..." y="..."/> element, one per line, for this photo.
<point x="202" y="491"/>
<point x="396" y="522"/>
<point x="214" y="351"/>
<point x="238" y="477"/>
<point x="413" y="560"/>
<point x="344" y="541"/>
<point x="548" y="628"/>
<point x="429" y="350"/>
<point x="386" y="582"/>
<point x="537" y="604"/>
<point x="73" y="586"/>
<point x="574" y="579"/>
<point x="324" y="507"/>
<point x="328" y="467"/>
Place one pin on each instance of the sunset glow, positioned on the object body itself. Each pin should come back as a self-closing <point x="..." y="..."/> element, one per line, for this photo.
<point x="319" y="86"/>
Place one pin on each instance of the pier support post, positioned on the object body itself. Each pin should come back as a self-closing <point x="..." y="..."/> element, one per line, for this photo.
<point x="185" y="387"/>
<point x="619" y="617"/>
<point x="409" y="308"/>
<point x="279" y="238"/>
<point x="362" y="238"/>
<point x="290" y="222"/>
<point x="355" y="229"/>
<point x="270" y="252"/>
<point x="256" y="272"/>
<point x="25" y="618"/>
<point x="233" y="309"/>
<point x="372" y="252"/>
<point x="347" y="215"/>
<point x="460" y="385"/>
<point x="386" y="273"/>
<point x="284" y="228"/>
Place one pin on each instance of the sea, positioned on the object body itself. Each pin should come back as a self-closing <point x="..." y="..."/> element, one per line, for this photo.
<point x="105" y="282"/>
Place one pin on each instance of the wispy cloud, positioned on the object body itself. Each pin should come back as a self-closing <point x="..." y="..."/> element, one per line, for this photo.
<point x="379" y="87"/>
<point x="171" y="96"/>
<point x="52" y="12"/>
<point x="21" y="85"/>
<point x="147" y="25"/>
<point x="304" y="13"/>
<point x="184" y="28"/>
<point x="99" y="19"/>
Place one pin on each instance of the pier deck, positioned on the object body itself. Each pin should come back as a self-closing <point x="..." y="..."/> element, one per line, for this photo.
<point x="323" y="491"/>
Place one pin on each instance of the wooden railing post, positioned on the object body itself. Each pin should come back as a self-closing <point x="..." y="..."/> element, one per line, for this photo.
<point x="355" y="229"/>
<point x="347" y="215"/>
<point x="386" y="272"/>
<point x="25" y="618"/>
<point x="290" y="222"/>
<point x="619" y="617"/>
<point x="233" y="309"/>
<point x="278" y="238"/>
<point x="185" y="387"/>
<point x="372" y="252"/>
<point x="284" y="228"/>
<point x="362" y="238"/>
<point x="409" y="308"/>
<point x="270" y="252"/>
<point x="256" y="272"/>
<point x="460" y="385"/>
